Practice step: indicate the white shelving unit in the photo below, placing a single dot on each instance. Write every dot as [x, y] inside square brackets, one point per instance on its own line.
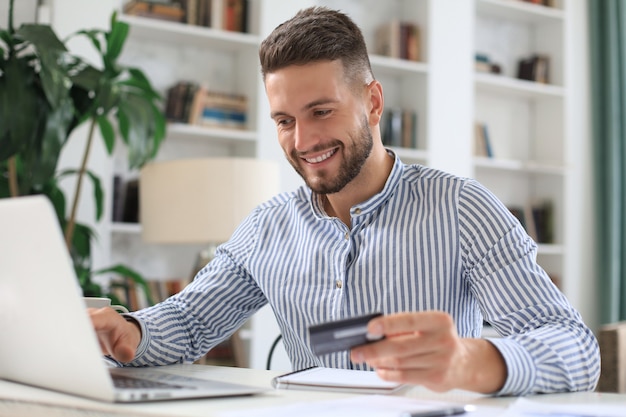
[525, 119]
[169, 52]
[222, 61]
[534, 127]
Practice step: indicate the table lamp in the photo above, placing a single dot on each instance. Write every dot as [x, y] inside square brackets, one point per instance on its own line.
[201, 200]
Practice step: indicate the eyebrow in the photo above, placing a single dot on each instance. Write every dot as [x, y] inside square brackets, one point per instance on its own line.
[306, 106]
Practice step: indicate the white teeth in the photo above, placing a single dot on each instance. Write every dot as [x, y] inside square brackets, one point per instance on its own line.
[320, 158]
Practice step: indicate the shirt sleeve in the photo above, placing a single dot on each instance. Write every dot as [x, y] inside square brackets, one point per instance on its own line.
[212, 307]
[545, 344]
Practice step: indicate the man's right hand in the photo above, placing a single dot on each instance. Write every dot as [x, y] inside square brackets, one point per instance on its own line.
[118, 337]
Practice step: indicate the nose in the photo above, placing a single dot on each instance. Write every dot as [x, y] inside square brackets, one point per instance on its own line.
[305, 136]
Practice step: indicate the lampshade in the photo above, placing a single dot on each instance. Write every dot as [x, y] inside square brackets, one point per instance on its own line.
[201, 200]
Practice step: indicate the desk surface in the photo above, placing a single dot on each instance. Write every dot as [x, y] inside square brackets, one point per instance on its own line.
[485, 405]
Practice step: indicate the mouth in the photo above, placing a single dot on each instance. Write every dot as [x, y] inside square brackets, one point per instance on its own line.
[322, 157]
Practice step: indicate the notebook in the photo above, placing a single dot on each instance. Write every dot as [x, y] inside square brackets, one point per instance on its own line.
[339, 380]
[47, 337]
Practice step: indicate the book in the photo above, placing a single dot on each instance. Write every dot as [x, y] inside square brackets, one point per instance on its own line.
[130, 212]
[118, 199]
[482, 63]
[177, 97]
[612, 341]
[217, 14]
[482, 141]
[542, 214]
[487, 139]
[534, 68]
[155, 10]
[399, 128]
[218, 109]
[529, 221]
[235, 18]
[388, 39]
[398, 39]
[340, 380]
[125, 202]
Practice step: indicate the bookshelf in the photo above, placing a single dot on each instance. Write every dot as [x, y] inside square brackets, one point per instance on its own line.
[220, 60]
[526, 119]
[538, 130]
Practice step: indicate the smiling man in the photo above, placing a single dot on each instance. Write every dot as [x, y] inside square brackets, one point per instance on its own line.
[435, 253]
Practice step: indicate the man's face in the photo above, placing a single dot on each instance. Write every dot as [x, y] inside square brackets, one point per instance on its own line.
[322, 125]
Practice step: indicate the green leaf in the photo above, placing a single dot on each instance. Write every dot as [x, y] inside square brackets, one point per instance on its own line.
[98, 192]
[81, 241]
[6, 37]
[137, 83]
[87, 77]
[55, 79]
[18, 104]
[107, 132]
[57, 197]
[53, 138]
[131, 274]
[41, 36]
[142, 129]
[115, 40]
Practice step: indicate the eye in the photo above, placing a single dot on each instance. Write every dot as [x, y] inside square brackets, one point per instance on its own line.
[284, 121]
[322, 113]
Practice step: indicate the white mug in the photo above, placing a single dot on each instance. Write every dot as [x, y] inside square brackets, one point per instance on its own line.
[100, 302]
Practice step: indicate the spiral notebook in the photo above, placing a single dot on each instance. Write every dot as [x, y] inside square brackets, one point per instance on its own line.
[331, 379]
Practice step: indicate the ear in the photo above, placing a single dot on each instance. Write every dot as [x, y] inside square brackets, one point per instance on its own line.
[375, 102]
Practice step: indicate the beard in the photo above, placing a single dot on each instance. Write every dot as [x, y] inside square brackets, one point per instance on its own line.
[354, 157]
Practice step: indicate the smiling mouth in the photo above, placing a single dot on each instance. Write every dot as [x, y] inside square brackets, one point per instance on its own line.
[321, 158]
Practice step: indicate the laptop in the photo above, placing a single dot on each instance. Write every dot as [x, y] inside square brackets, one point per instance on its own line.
[47, 337]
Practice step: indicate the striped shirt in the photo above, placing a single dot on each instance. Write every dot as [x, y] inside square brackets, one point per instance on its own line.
[428, 241]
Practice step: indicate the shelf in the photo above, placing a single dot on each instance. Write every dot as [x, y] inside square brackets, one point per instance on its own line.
[126, 228]
[177, 34]
[396, 67]
[516, 10]
[550, 249]
[512, 86]
[194, 132]
[518, 166]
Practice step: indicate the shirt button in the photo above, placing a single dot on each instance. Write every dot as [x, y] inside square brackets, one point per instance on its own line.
[357, 211]
[347, 236]
[338, 284]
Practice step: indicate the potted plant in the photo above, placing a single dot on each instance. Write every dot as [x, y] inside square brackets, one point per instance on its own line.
[45, 93]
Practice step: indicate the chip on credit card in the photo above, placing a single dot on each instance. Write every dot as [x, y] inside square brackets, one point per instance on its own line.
[342, 334]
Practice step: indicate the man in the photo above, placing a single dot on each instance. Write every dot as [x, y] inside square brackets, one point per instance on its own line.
[435, 253]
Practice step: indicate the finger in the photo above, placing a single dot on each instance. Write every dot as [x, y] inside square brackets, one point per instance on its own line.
[396, 349]
[115, 334]
[400, 323]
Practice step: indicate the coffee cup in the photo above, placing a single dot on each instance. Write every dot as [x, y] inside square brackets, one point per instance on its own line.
[100, 302]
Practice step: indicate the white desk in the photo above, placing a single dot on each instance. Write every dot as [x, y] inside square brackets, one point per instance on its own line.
[486, 406]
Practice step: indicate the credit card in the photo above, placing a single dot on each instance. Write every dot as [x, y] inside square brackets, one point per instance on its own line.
[341, 335]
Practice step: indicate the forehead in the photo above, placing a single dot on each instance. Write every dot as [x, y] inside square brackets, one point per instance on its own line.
[297, 84]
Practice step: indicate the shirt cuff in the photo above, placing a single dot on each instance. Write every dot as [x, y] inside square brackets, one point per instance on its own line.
[520, 366]
[145, 336]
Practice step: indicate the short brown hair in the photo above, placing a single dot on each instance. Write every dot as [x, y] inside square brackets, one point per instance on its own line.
[317, 34]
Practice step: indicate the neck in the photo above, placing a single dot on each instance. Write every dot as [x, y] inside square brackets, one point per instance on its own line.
[368, 183]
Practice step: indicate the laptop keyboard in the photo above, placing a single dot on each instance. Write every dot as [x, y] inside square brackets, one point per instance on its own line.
[126, 382]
